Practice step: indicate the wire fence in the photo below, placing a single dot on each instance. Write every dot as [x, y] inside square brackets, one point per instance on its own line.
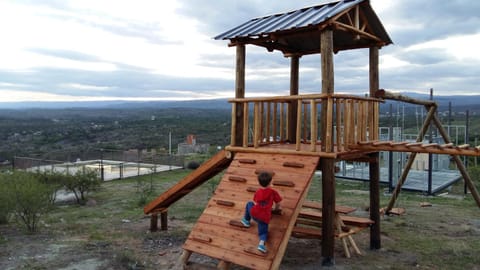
[110, 164]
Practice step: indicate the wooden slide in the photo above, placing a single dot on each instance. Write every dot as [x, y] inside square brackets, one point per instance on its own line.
[217, 234]
[202, 174]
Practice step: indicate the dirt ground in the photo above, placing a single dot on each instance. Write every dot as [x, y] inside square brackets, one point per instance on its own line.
[161, 250]
[113, 234]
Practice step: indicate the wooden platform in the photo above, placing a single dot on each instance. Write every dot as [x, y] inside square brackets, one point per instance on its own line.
[213, 235]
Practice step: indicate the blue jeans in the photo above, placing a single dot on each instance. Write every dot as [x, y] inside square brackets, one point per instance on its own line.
[262, 226]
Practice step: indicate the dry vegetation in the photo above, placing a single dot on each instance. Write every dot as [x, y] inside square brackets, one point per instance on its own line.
[112, 233]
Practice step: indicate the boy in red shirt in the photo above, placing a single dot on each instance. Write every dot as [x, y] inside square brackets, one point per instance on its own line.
[261, 208]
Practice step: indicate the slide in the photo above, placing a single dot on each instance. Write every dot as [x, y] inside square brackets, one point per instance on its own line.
[202, 174]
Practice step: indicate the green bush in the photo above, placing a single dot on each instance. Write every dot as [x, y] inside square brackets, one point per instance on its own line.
[53, 179]
[192, 165]
[82, 182]
[30, 198]
[6, 198]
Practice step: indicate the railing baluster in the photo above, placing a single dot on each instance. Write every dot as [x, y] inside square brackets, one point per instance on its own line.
[305, 121]
[233, 128]
[313, 125]
[282, 122]
[275, 121]
[298, 139]
[257, 124]
[245, 124]
[268, 123]
[338, 110]
[376, 119]
[345, 121]
[329, 126]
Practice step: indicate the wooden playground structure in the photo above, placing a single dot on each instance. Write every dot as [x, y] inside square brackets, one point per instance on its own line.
[292, 136]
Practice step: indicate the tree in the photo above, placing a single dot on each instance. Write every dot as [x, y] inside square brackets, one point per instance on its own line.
[55, 180]
[30, 198]
[82, 182]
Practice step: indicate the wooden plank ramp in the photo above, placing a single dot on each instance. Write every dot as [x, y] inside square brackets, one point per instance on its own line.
[217, 233]
[203, 173]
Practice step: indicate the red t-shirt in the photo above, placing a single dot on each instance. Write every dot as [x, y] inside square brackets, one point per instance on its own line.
[264, 198]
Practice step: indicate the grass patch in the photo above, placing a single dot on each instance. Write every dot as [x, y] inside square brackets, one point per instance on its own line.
[444, 235]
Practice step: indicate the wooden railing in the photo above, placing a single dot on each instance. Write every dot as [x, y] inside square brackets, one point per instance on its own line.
[326, 123]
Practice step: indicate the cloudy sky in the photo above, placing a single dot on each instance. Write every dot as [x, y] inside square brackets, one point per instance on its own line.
[85, 50]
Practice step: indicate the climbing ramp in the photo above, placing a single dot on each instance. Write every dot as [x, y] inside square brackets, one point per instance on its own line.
[218, 233]
[203, 173]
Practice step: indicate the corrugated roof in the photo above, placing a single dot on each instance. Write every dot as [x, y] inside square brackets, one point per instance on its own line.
[304, 17]
[267, 31]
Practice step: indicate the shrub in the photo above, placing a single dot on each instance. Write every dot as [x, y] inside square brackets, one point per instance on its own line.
[192, 165]
[82, 182]
[6, 199]
[30, 198]
[55, 180]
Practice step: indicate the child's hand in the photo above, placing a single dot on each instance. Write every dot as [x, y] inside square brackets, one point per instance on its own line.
[277, 211]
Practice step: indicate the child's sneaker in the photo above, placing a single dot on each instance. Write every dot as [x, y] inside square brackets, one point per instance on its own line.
[245, 222]
[262, 248]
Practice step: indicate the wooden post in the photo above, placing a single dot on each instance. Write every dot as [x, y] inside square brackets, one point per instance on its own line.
[327, 165]
[154, 223]
[239, 93]
[292, 111]
[374, 167]
[374, 170]
[164, 220]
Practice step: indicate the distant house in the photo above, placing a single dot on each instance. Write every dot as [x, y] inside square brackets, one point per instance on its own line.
[191, 146]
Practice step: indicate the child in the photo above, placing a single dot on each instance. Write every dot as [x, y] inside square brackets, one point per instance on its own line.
[261, 208]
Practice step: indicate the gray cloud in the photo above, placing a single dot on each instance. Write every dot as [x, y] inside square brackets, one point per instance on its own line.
[426, 68]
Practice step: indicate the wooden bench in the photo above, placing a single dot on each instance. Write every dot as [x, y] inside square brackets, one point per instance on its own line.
[309, 222]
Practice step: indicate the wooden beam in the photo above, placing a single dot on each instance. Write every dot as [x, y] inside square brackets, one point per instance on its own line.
[164, 220]
[348, 28]
[374, 171]
[394, 96]
[239, 93]
[154, 223]
[292, 112]
[327, 165]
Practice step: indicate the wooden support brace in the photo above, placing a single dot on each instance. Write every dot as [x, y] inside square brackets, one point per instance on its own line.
[153, 222]
[164, 220]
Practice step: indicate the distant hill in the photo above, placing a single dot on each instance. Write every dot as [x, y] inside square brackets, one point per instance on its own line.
[119, 104]
[459, 103]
